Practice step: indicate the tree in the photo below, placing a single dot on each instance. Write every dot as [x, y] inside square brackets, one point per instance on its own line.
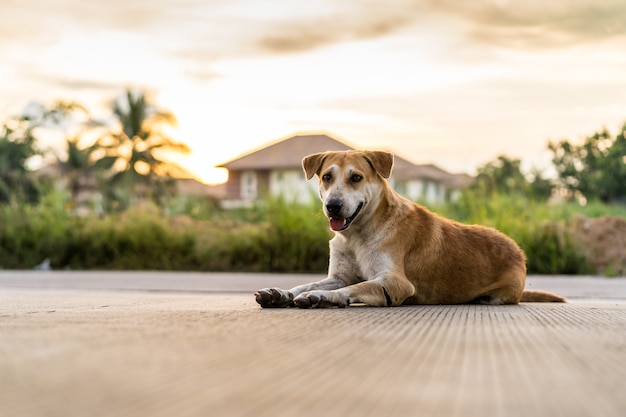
[81, 165]
[84, 166]
[540, 187]
[138, 141]
[596, 169]
[504, 175]
[17, 146]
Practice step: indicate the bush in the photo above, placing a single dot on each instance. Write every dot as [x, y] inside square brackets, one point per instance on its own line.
[283, 238]
[550, 250]
[132, 240]
[30, 234]
[287, 238]
[277, 236]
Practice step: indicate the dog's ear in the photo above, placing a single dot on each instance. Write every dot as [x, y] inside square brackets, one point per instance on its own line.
[312, 164]
[382, 162]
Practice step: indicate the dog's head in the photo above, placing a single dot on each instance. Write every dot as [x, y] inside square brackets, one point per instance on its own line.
[348, 182]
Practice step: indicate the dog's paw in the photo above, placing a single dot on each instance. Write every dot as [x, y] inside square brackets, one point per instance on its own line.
[274, 298]
[321, 299]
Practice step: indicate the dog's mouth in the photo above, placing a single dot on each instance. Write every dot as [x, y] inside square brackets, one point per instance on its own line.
[338, 224]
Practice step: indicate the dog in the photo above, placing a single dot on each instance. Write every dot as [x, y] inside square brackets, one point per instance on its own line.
[390, 251]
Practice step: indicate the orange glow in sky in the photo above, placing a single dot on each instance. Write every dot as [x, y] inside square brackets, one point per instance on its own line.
[444, 82]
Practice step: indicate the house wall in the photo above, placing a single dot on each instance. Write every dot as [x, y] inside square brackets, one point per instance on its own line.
[292, 185]
[247, 185]
[233, 186]
[243, 187]
[415, 190]
[264, 182]
[435, 192]
[430, 192]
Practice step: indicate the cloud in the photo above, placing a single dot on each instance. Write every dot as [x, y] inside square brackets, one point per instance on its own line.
[356, 21]
[41, 20]
[528, 24]
[460, 128]
[279, 26]
[537, 23]
[81, 84]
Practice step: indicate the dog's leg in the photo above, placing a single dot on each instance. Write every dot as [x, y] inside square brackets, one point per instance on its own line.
[342, 272]
[389, 290]
[277, 298]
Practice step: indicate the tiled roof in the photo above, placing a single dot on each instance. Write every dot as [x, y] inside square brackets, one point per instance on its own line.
[406, 170]
[287, 153]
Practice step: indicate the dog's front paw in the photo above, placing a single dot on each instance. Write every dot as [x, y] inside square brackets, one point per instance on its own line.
[274, 298]
[321, 299]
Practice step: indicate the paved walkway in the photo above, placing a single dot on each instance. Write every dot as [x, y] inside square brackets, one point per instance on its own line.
[138, 344]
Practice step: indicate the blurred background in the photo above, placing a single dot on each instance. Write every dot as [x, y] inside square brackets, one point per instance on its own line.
[127, 128]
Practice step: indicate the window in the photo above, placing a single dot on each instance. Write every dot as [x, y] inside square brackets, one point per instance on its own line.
[248, 185]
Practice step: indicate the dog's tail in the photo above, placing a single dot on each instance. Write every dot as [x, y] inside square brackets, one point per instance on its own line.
[539, 296]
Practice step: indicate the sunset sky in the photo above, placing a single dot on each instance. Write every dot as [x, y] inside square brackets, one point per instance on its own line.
[450, 82]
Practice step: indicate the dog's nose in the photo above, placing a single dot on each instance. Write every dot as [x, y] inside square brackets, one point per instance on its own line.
[334, 205]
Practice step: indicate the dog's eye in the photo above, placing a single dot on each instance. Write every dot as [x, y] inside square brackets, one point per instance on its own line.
[355, 178]
[327, 177]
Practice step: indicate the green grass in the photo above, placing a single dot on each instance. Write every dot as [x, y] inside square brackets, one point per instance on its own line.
[277, 236]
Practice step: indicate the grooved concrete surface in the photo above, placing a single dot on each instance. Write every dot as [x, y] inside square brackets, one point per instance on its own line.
[84, 352]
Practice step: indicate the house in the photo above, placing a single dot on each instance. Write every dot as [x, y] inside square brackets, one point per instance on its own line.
[276, 169]
[427, 183]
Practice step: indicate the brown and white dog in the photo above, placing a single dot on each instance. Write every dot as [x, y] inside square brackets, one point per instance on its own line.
[389, 251]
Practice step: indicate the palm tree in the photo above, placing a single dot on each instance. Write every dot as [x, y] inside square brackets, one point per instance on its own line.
[141, 137]
[84, 166]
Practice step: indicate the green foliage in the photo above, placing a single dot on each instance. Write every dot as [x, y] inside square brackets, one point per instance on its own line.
[285, 238]
[30, 234]
[278, 236]
[504, 175]
[596, 169]
[550, 249]
[17, 146]
[199, 208]
[85, 166]
[132, 240]
[297, 237]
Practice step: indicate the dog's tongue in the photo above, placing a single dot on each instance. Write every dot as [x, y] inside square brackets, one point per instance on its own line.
[336, 223]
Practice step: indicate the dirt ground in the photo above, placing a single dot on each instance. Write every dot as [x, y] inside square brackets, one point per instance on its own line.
[603, 240]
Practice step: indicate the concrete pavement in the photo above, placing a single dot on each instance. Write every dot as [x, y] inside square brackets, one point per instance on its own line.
[579, 287]
[164, 344]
